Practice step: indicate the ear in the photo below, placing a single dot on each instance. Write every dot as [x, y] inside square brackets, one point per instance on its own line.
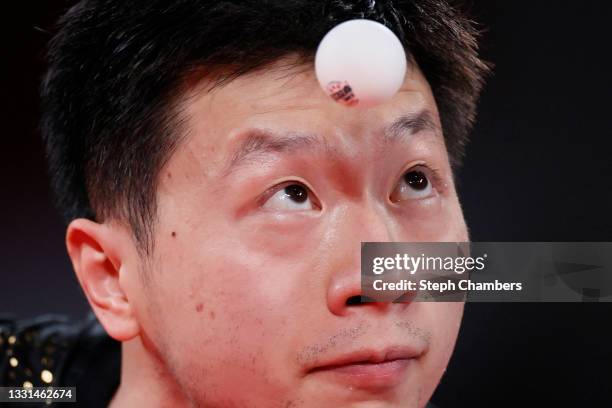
[98, 253]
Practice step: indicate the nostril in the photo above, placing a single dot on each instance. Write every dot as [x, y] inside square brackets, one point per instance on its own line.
[353, 301]
[358, 300]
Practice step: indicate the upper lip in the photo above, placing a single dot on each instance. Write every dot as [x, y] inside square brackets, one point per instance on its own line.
[368, 356]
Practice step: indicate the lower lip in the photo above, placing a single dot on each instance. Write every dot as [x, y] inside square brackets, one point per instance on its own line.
[372, 376]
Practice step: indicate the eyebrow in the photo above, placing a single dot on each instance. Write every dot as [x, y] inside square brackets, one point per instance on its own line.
[260, 142]
[408, 125]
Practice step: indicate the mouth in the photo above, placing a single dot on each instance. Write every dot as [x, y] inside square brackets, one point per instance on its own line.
[369, 369]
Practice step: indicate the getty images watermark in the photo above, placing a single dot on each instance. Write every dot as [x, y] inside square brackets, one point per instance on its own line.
[487, 271]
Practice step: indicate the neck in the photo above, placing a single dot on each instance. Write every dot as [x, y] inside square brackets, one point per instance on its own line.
[145, 380]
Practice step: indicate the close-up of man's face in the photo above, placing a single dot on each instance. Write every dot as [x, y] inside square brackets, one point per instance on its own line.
[254, 280]
[305, 203]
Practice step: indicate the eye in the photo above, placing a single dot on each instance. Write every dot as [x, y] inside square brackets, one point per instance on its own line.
[292, 196]
[414, 185]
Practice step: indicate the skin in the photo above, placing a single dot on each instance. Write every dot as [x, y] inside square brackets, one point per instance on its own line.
[245, 294]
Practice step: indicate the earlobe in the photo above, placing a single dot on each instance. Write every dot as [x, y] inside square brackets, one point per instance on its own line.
[96, 253]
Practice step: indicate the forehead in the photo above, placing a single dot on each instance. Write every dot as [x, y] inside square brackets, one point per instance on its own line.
[286, 97]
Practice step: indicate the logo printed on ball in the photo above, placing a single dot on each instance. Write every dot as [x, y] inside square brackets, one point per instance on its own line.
[341, 91]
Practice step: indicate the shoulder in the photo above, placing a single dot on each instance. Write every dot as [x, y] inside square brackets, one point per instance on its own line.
[54, 350]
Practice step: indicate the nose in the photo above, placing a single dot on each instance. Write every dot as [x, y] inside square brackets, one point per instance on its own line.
[359, 224]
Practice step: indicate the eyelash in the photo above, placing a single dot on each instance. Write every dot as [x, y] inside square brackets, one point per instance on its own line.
[433, 174]
[280, 185]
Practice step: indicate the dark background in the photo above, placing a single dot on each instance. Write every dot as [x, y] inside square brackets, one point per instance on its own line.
[538, 169]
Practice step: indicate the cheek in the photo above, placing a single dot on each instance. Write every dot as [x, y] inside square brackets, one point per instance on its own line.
[218, 296]
[448, 321]
[226, 310]
[445, 320]
[439, 219]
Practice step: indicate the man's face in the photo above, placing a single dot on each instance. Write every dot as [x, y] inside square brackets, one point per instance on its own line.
[262, 210]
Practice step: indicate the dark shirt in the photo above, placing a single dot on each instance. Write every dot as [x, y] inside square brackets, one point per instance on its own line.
[76, 354]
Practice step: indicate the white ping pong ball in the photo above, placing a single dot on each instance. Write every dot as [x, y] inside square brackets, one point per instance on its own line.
[360, 62]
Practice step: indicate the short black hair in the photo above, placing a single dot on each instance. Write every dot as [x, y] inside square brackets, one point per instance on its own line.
[116, 69]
